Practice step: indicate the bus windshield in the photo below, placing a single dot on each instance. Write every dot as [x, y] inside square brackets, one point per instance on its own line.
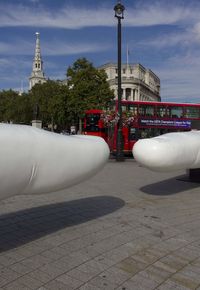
[92, 122]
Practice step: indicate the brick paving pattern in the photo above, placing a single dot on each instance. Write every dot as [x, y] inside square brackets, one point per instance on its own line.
[127, 228]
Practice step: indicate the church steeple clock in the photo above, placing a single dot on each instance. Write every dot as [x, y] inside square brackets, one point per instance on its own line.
[37, 75]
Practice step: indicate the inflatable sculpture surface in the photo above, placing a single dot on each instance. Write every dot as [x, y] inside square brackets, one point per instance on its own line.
[169, 152]
[37, 161]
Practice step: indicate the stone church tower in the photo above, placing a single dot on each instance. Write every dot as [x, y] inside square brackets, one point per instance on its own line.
[37, 75]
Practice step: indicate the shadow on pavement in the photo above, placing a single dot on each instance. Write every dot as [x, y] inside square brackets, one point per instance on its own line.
[27, 225]
[169, 186]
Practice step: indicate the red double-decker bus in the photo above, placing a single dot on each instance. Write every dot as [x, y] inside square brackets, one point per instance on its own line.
[141, 120]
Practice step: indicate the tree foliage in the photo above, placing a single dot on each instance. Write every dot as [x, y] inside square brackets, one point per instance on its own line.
[14, 107]
[52, 99]
[88, 86]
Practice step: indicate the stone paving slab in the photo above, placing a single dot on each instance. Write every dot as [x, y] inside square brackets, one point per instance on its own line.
[126, 228]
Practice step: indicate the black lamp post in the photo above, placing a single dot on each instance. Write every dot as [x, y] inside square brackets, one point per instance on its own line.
[119, 14]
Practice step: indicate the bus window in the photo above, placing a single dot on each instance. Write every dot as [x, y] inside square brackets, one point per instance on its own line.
[156, 132]
[124, 108]
[93, 118]
[176, 112]
[191, 112]
[141, 110]
[133, 109]
[149, 111]
[146, 133]
[167, 112]
[161, 111]
[132, 134]
[146, 110]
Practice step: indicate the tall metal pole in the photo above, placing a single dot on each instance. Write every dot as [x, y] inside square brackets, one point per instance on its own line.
[119, 9]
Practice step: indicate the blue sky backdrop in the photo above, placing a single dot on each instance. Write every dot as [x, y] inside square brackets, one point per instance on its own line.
[162, 36]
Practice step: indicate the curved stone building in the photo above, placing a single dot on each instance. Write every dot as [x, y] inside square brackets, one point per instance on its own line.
[138, 83]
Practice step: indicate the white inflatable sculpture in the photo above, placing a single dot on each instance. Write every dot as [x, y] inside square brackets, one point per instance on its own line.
[36, 161]
[169, 152]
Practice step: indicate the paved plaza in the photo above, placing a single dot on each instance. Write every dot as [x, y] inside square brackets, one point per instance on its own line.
[127, 228]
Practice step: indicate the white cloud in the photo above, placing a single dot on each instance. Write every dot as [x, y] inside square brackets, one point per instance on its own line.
[13, 71]
[168, 40]
[63, 48]
[161, 14]
[196, 31]
[12, 63]
[68, 17]
[186, 38]
[180, 78]
[21, 47]
[73, 18]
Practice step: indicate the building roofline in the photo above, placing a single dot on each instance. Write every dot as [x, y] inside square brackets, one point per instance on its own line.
[114, 64]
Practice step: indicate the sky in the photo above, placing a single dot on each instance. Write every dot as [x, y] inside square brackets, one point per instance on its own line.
[162, 36]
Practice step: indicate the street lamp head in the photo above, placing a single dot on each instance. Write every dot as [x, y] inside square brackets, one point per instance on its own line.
[119, 10]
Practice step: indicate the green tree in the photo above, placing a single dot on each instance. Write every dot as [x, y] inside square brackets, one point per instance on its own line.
[14, 107]
[52, 98]
[23, 109]
[88, 88]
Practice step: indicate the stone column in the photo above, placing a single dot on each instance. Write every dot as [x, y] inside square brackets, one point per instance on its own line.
[123, 94]
[132, 94]
[138, 93]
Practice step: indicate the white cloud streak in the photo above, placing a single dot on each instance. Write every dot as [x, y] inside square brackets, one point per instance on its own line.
[13, 63]
[168, 40]
[161, 14]
[13, 71]
[68, 17]
[61, 48]
[74, 18]
[180, 78]
[186, 38]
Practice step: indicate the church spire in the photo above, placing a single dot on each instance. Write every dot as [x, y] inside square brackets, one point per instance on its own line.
[37, 62]
[37, 75]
